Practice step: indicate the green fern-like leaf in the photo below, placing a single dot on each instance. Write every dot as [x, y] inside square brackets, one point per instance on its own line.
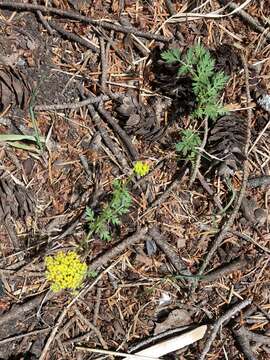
[207, 84]
[188, 144]
[171, 56]
[111, 213]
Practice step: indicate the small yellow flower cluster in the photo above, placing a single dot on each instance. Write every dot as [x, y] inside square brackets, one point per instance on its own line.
[141, 168]
[65, 271]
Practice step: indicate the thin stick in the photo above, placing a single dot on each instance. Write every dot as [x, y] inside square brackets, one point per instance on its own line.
[168, 250]
[74, 16]
[170, 7]
[21, 336]
[249, 239]
[103, 62]
[244, 344]
[43, 21]
[228, 315]
[118, 249]
[120, 132]
[198, 159]
[247, 18]
[76, 105]
[115, 353]
[74, 37]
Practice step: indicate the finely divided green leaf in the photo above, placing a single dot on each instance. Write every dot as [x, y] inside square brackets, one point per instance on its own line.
[171, 56]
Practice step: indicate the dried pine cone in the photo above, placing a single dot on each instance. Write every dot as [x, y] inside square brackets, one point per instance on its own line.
[15, 200]
[14, 89]
[227, 142]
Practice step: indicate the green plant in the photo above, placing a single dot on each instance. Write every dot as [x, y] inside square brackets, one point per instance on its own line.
[207, 83]
[188, 145]
[119, 205]
[65, 271]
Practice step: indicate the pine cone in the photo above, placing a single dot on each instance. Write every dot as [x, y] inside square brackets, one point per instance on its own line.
[15, 200]
[142, 119]
[227, 142]
[14, 89]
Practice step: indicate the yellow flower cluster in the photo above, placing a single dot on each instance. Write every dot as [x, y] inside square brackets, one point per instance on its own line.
[65, 271]
[141, 168]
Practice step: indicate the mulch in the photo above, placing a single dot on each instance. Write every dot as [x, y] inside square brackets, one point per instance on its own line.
[84, 94]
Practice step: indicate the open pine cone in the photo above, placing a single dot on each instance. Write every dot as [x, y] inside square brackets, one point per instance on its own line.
[14, 88]
[227, 142]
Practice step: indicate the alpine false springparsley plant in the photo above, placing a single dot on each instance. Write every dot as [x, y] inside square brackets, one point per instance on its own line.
[118, 205]
[188, 146]
[65, 271]
[206, 82]
[110, 215]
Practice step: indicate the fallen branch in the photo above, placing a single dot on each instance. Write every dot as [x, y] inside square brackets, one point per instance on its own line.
[74, 16]
[21, 336]
[235, 265]
[227, 316]
[259, 181]
[244, 344]
[118, 249]
[20, 310]
[76, 105]
[73, 37]
[120, 132]
[246, 17]
[168, 250]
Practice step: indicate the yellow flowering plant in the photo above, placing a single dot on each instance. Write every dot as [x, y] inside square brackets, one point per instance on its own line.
[65, 271]
[141, 168]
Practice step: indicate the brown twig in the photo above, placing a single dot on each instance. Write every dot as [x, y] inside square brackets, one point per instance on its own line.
[73, 37]
[107, 139]
[236, 264]
[21, 336]
[91, 327]
[249, 239]
[74, 16]
[246, 17]
[170, 7]
[76, 105]
[243, 342]
[168, 250]
[160, 199]
[207, 188]
[244, 337]
[265, 313]
[120, 132]
[103, 61]
[43, 21]
[19, 310]
[258, 181]
[261, 339]
[118, 249]
[227, 316]
[97, 306]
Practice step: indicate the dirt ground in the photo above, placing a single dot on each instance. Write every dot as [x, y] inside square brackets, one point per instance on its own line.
[84, 94]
